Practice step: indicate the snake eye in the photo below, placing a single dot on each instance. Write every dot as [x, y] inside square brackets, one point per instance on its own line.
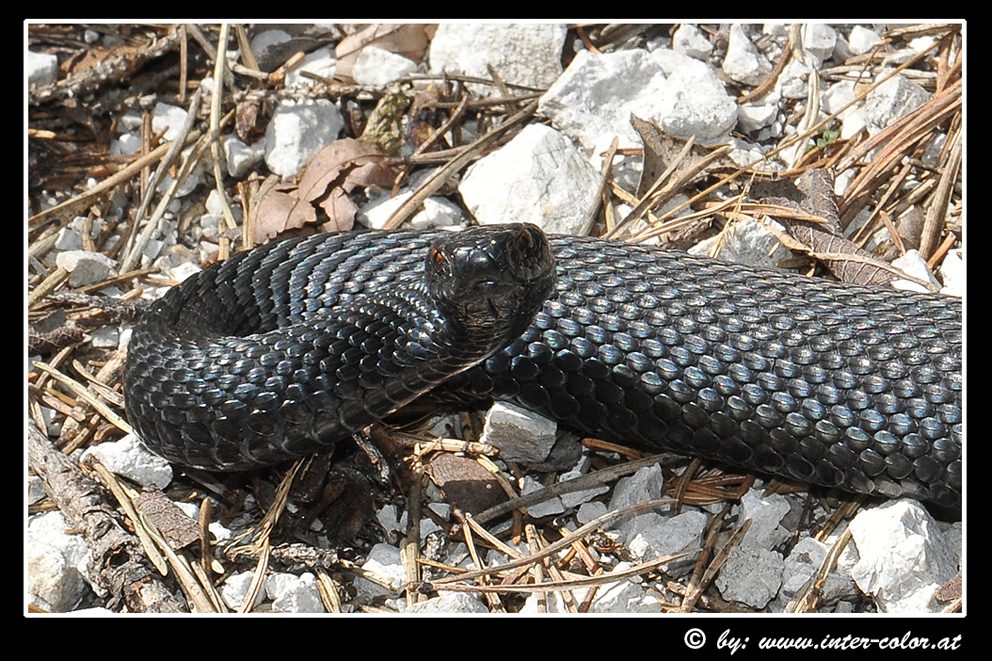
[437, 257]
[525, 239]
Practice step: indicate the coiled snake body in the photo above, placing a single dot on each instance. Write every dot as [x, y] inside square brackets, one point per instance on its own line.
[285, 349]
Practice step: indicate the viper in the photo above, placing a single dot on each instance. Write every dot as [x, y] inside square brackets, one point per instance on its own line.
[289, 348]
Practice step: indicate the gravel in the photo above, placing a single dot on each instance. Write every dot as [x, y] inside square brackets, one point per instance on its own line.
[689, 84]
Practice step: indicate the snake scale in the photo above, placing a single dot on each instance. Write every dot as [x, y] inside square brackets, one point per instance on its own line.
[288, 348]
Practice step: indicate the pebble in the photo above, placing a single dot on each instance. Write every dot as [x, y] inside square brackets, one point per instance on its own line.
[299, 129]
[904, 557]
[86, 268]
[539, 177]
[42, 69]
[586, 105]
[129, 458]
[743, 62]
[893, 100]
[751, 575]
[690, 40]
[520, 435]
[748, 242]
[321, 62]
[436, 212]
[57, 563]
[376, 66]
[521, 53]
[449, 602]
[384, 563]
[290, 593]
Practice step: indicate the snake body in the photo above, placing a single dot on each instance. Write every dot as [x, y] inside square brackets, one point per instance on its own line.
[288, 348]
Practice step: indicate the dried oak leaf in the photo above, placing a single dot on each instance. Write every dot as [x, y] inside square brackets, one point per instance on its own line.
[408, 40]
[813, 194]
[662, 148]
[323, 195]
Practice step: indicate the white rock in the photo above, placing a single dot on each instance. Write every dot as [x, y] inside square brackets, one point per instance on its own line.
[234, 590]
[388, 518]
[267, 38]
[862, 40]
[744, 153]
[679, 533]
[294, 594]
[213, 203]
[321, 62]
[904, 557]
[42, 68]
[184, 270]
[743, 61]
[766, 514]
[129, 458]
[589, 511]
[242, 157]
[752, 116]
[913, 264]
[56, 563]
[625, 596]
[168, 118]
[836, 97]
[953, 273]
[545, 508]
[538, 177]
[570, 500]
[125, 145]
[892, 100]
[791, 83]
[188, 185]
[436, 212]
[210, 225]
[107, 337]
[520, 435]
[818, 41]
[449, 602]
[751, 575]
[693, 102]
[297, 131]
[36, 489]
[805, 560]
[592, 101]
[521, 53]
[377, 66]
[643, 486]
[384, 563]
[690, 40]
[68, 239]
[85, 267]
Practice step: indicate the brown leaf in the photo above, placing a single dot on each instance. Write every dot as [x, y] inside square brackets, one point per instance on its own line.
[466, 485]
[813, 194]
[275, 201]
[408, 40]
[661, 149]
[331, 175]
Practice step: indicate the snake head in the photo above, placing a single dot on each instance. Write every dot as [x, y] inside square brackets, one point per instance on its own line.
[491, 278]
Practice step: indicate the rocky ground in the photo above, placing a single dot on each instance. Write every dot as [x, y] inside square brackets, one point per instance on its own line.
[656, 133]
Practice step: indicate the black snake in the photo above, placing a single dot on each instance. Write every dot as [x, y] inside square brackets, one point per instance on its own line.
[285, 349]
